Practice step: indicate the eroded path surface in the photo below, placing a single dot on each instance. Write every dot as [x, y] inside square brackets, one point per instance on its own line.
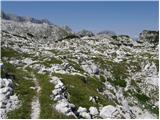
[35, 109]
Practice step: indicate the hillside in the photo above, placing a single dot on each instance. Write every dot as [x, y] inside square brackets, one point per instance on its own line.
[49, 72]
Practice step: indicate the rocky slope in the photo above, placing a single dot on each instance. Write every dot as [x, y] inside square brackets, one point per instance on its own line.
[59, 74]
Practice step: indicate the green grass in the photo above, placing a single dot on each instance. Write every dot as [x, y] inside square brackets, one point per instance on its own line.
[48, 63]
[118, 70]
[76, 66]
[156, 61]
[153, 110]
[58, 52]
[102, 78]
[8, 52]
[25, 93]
[80, 89]
[145, 100]
[142, 97]
[47, 110]
[121, 83]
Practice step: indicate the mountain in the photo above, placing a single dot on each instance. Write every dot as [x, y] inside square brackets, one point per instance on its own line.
[107, 32]
[16, 18]
[51, 72]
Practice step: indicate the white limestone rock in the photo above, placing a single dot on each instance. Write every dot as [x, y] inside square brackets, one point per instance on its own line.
[93, 111]
[8, 101]
[83, 113]
[107, 111]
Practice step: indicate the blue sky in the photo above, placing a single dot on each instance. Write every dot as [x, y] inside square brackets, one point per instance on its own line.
[121, 17]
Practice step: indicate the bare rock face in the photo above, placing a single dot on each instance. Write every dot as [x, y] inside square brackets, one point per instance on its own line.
[32, 28]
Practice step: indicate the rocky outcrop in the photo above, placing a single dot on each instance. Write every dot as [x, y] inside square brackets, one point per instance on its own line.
[151, 37]
[83, 33]
[8, 100]
[60, 96]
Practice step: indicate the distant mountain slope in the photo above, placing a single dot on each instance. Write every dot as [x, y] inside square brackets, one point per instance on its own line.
[16, 18]
[41, 30]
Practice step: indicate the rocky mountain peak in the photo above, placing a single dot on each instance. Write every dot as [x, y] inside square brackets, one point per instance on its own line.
[16, 18]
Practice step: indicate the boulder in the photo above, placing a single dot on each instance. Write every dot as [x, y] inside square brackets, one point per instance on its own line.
[93, 111]
[83, 113]
[95, 69]
[107, 111]
[91, 68]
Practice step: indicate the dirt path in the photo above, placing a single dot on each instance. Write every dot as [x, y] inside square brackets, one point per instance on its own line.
[35, 110]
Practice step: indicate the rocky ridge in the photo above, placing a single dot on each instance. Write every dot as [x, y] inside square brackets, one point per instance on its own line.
[93, 76]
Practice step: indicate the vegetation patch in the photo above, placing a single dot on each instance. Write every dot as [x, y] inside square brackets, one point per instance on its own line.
[102, 78]
[8, 52]
[76, 66]
[48, 63]
[81, 88]
[142, 97]
[25, 93]
[47, 110]
[121, 83]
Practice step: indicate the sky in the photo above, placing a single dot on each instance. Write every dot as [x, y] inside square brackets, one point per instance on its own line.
[129, 18]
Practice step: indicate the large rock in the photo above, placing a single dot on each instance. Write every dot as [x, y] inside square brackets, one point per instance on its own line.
[107, 111]
[83, 113]
[93, 111]
[8, 101]
[90, 68]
